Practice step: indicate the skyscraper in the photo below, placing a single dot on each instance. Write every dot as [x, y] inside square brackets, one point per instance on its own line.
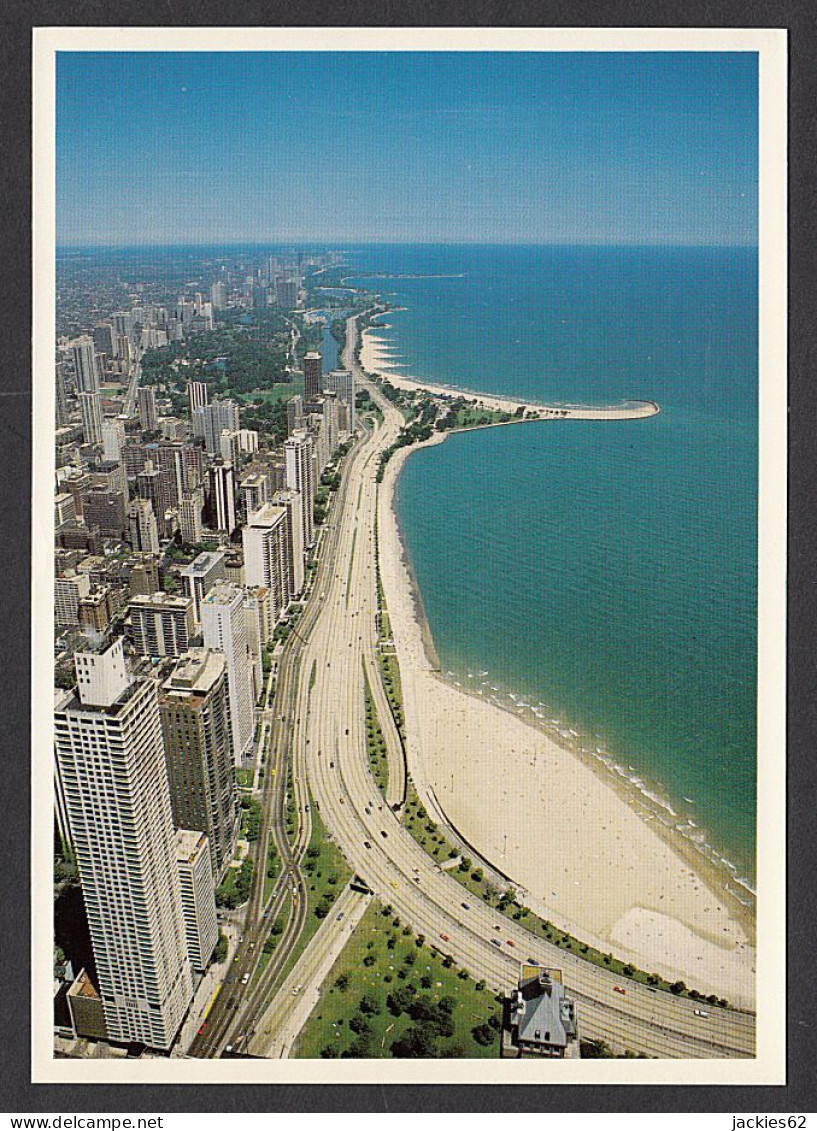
[225, 631]
[113, 780]
[210, 420]
[342, 382]
[300, 477]
[113, 438]
[191, 505]
[197, 395]
[144, 533]
[195, 710]
[147, 408]
[195, 874]
[90, 406]
[218, 296]
[313, 376]
[201, 575]
[85, 364]
[291, 501]
[266, 554]
[222, 496]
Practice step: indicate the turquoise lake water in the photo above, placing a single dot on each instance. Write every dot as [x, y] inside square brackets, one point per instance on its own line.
[604, 572]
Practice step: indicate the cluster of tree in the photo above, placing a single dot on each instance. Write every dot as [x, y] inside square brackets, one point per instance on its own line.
[236, 889]
[275, 932]
[253, 821]
[416, 432]
[269, 418]
[220, 953]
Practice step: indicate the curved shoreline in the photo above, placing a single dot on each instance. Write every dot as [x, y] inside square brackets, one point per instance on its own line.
[373, 361]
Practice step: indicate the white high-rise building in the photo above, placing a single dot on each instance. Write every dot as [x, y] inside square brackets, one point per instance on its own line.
[222, 496]
[266, 554]
[210, 420]
[113, 438]
[218, 296]
[201, 575]
[342, 383]
[225, 631]
[254, 492]
[68, 592]
[115, 792]
[86, 366]
[198, 895]
[300, 477]
[291, 501]
[197, 395]
[90, 407]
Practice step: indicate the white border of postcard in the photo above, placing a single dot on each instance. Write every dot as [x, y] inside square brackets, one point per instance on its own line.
[769, 1065]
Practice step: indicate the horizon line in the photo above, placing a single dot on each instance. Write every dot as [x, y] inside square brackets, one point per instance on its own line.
[328, 243]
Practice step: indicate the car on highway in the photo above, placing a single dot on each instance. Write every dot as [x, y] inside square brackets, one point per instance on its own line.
[701, 1013]
[245, 979]
[339, 916]
[367, 844]
[394, 885]
[510, 942]
[619, 990]
[368, 810]
[445, 938]
[465, 906]
[496, 942]
[296, 991]
[202, 1029]
[383, 833]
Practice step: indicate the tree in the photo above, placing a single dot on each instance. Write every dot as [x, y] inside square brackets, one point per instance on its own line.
[220, 953]
[483, 1035]
[359, 1024]
[419, 1041]
[369, 1005]
[342, 982]
[677, 987]
[400, 1001]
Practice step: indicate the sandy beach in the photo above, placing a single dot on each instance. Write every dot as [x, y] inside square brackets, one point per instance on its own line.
[586, 850]
[376, 358]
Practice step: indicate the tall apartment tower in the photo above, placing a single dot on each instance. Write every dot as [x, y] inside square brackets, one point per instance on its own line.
[90, 407]
[291, 501]
[63, 415]
[295, 414]
[85, 364]
[144, 531]
[218, 296]
[161, 624]
[342, 383]
[225, 631]
[113, 438]
[147, 408]
[195, 709]
[266, 554]
[313, 376]
[196, 395]
[222, 496]
[300, 477]
[210, 420]
[198, 896]
[201, 575]
[191, 505]
[113, 782]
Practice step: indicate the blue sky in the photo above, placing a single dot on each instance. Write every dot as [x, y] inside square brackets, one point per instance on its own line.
[418, 147]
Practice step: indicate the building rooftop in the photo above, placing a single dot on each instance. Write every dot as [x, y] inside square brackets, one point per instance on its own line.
[189, 843]
[541, 1010]
[195, 673]
[162, 600]
[267, 515]
[202, 565]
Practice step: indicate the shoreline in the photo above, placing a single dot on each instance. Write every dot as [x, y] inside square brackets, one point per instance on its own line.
[463, 747]
[373, 359]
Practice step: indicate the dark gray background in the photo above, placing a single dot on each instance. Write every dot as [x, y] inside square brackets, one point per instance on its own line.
[17, 1094]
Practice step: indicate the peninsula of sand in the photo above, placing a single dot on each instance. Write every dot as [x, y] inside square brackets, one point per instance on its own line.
[585, 851]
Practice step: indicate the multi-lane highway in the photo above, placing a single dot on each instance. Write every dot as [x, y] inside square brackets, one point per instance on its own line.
[387, 857]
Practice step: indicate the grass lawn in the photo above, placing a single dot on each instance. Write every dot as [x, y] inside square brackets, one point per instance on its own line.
[273, 939]
[244, 779]
[278, 392]
[354, 1017]
[475, 417]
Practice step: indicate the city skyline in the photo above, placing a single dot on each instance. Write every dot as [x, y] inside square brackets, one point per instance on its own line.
[615, 147]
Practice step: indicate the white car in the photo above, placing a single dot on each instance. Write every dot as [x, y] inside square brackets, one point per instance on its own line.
[701, 1013]
[245, 979]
